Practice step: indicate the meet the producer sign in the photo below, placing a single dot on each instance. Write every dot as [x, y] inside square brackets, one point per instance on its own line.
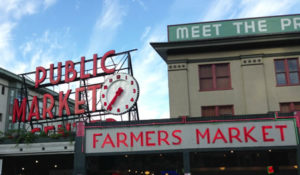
[234, 28]
[191, 136]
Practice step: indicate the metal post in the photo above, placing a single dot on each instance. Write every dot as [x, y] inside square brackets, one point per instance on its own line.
[79, 155]
[298, 158]
[26, 95]
[186, 163]
[130, 71]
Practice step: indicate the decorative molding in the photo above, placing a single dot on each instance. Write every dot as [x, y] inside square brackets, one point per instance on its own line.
[37, 148]
[251, 61]
[203, 60]
[179, 66]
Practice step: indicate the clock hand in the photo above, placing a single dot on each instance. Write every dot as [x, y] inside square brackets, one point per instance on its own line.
[118, 93]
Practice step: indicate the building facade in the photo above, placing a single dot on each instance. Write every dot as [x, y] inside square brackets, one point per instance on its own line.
[234, 98]
[255, 73]
[19, 139]
[222, 71]
[16, 87]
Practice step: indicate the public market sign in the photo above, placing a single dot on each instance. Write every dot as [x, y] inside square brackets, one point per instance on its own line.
[119, 92]
[70, 74]
[234, 28]
[191, 136]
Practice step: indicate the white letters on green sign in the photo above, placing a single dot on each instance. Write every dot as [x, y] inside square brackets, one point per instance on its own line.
[233, 28]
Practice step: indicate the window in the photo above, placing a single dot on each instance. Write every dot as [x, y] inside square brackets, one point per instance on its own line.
[3, 90]
[217, 110]
[289, 107]
[214, 77]
[287, 71]
[0, 117]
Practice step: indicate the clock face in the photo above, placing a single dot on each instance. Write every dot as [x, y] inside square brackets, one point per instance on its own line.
[119, 93]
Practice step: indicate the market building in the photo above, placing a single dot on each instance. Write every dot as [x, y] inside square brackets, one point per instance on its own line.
[252, 70]
[40, 115]
[234, 95]
[17, 87]
[234, 89]
[234, 68]
[42, 156]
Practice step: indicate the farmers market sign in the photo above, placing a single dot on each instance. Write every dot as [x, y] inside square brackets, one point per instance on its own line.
[190, 136]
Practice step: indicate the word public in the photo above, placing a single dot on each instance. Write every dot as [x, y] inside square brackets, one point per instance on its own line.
[19, 110]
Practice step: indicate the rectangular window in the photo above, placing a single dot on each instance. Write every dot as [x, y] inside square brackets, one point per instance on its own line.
[3, 90]
[208, 111]
[0, 117]
[289, 107]
[214, 77]
[287, 71]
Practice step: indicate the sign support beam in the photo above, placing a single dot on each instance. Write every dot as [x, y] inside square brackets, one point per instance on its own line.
[186, 163]
[79, 155]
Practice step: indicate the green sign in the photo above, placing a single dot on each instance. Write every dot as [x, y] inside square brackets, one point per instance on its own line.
[234, 28]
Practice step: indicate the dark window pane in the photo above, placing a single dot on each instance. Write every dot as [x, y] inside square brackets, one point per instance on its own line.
[222, 70]
[280, 77]
[206, 84]
[292, 63]
[205, 71]
[223, 83]
[279, 66]
[3, 90]
[285, 107]
[294, 78]
[208, 111]
[297, 106]
[225, 110]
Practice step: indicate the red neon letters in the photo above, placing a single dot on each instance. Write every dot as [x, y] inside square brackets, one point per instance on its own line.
[70, 71]
[239, 135]
[19, 111]
[206, 136]
[122, 139]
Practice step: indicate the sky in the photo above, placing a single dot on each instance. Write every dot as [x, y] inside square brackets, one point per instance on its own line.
[39, 32]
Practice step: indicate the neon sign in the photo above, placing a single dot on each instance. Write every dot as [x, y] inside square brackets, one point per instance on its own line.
[119, 92]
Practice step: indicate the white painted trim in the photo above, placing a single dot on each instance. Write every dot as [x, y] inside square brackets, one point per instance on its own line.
[37, 148]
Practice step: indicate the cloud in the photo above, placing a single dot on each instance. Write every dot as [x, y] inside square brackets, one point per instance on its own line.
[109, 18]
[50, 47]
[151, 73]
[5, 38]
[106, 26]
[230, 9]
[146, 32]
[49, 3]
[11, 11]
[253, 8]
[141, 3]
[218, 10]
[15, 9]
[77, 4]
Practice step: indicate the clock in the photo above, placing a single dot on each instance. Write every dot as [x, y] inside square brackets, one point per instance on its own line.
[119, 93]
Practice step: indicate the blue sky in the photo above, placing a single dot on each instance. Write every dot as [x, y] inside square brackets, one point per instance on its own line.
[39, 32]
